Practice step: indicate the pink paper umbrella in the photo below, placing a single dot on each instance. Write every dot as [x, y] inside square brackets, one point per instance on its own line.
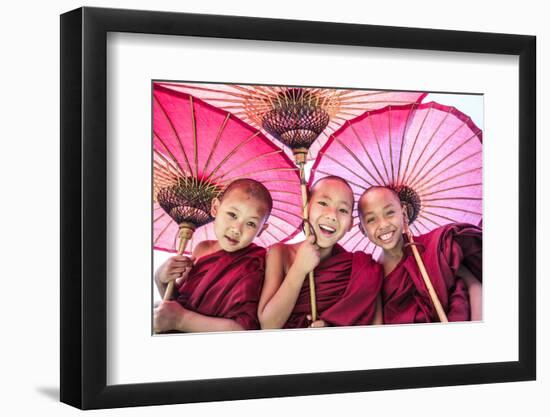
[300, 117]
[429, 153]
[199, 150]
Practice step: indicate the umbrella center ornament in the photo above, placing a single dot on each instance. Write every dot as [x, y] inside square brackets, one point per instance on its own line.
[297, 118]
[411, 200]
[188, 201]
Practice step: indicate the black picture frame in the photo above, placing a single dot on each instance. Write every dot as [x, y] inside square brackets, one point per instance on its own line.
[84, 207]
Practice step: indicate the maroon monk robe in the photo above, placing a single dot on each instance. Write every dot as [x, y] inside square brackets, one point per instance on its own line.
[443, 250]
[227, 285]
[346, 286]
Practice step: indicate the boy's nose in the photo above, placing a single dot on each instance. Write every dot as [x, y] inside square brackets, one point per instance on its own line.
[237, 228]
[330, 214]
[384, 222]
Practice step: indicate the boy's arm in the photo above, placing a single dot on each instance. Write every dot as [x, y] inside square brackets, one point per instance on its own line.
[475, 292]
[279, 295]
[171, 315]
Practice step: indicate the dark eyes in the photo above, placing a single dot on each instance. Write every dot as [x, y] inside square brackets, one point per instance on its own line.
[251, 224]
[389, 213]
[325, 204]
[231, 214]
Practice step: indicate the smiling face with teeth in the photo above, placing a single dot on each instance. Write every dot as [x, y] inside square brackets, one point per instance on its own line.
[382, 216]
[330, 210]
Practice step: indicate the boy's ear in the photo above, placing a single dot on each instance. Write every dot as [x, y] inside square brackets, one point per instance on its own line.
[265, 226]
[214, 207]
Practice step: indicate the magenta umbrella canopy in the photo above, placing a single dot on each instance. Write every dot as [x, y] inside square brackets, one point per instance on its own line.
[199, 150]
[312, 114]
[429, 153]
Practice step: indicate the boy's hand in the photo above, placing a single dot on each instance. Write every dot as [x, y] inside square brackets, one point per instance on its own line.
[307, 256]
[317, 323]
[174, 268]
[167, 316]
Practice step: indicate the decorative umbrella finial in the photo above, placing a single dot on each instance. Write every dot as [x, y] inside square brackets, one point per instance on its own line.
[188, 200]
[297, 118]
[411, 200]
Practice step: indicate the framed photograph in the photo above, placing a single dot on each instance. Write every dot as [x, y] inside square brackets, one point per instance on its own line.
[183, 160]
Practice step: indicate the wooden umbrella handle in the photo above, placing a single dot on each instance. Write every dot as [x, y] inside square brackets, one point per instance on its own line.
[168, 291]
[312, 298]
[185, 235]
[427, 281]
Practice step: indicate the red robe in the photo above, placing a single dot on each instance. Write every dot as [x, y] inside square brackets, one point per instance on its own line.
[226, 284]
[346, 286]
[443, 250]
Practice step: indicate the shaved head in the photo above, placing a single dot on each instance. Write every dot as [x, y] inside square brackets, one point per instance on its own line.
[253, 188]
[371, 189]
[336, 179]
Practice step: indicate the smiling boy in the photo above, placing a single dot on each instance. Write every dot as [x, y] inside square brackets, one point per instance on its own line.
[220, 292]
[347, 285]
[452, 256]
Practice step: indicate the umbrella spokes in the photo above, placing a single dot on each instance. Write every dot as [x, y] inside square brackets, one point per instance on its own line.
[429, 154]
[298, 117]
[295, 116]
[188, 200]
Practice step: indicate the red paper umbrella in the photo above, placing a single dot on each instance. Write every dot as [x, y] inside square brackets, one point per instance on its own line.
[297, 116]
[429, 153]
[199, 150]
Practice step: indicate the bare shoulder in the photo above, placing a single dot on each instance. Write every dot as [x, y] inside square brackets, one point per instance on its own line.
[282, 254]
[206, 247]
[276, 249]
[281, 249]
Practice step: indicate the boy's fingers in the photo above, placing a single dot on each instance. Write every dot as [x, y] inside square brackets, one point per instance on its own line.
[181, 258]
[179, 270]
[180, 264]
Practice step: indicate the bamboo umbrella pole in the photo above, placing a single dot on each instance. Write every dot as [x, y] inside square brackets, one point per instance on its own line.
[300, 156]
[435, 299]
[185, 235]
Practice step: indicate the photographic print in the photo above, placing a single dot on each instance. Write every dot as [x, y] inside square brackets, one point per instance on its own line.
[285, 207]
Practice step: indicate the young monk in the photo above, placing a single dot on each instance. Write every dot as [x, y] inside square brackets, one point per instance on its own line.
[451, 255]
[220, 291]
[347, 285]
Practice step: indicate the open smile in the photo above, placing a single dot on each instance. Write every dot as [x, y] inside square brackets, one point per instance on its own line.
[386, 236]
[327, 231]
